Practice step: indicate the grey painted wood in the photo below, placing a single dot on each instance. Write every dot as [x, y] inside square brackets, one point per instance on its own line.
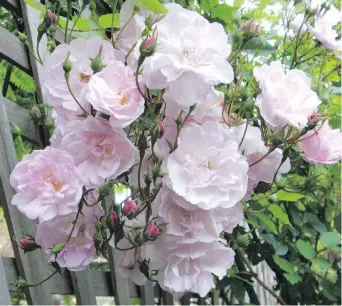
[167, 298]
[83, 289]
[147, 293]
[11, 5]
[100, 281]
[31, 265]
[32, 20]
[14, 51]
[19, 116]
[5, 298]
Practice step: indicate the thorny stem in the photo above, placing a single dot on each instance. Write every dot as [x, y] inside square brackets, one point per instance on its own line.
[139, 179]
[138, 86]
[43, 281]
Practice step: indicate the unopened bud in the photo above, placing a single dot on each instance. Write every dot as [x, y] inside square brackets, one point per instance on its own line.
[22, 37]
[277, 138]
[152, 231]
[97, 63]
[35, 113]
[52, 16]
[67, 65]
[113, 219]
[313, 120]
[148, 46]
[28, 244]
[16, 130]
[129, 208]
[251, 27]
[243, 240]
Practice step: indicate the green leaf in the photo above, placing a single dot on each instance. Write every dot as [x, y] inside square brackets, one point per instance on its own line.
[105, 21]
[279, 213]
[330, 239]
[35, 5]
[289, 196]
[305, 249]
[154, 6]
[285, 265]
[293, 278]
[223, 12]
[322, 263]
[266, 220]
[81, 24]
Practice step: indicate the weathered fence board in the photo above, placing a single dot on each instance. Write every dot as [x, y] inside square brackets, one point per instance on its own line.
[18, 224]
[5, 298]
[19, 116]
[11, 5]
[83, 289]
[14, 51]
[147, 293]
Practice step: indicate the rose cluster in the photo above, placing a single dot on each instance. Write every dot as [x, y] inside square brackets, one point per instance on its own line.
[146, 113]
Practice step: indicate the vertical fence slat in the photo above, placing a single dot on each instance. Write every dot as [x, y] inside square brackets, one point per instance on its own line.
[147, 294]
[5, 298]
[167, 298]
[120, 284]
[30, 265]
[83, 289]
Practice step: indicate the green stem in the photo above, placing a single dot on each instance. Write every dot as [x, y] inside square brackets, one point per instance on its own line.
[78, 103]
[262, 157]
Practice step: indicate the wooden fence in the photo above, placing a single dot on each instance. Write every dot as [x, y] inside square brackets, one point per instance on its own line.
[85, 285]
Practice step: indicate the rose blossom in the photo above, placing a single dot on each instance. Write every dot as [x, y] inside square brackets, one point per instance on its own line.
[80, 250]
[99, 151]
[206, 168]
[113, 91]
[190, 266]
[285, 99]
[54, 84]
[46, 184]
[253, 147]
[322, 145]
[206, 57]
[187, 221]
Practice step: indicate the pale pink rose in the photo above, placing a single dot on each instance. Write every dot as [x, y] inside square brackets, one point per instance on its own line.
[206, 168]
[190, 266]
[228, 218]
[46, 184]
[80, 250]
[206, 57]
[98, 150]
[132, 28]
[113, 91]
[54, 84]
[253, 147]
[251, 27]
[322, 145]
[187, 221]
[298, 25]
[323, 28]
[285, 99]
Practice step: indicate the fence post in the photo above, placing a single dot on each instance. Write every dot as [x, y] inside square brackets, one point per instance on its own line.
[5, 298]
[30, 264]
[83, 289]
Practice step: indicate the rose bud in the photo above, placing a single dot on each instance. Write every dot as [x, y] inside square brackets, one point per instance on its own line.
[28, 244]
[152, 231]
[148, 46]
[129, 208]
[52, 16]
[251, 27]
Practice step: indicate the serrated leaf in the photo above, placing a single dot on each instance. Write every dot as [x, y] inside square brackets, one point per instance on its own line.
[105, 21]
[154, 6]
[289, 196]
[279, 213]
[285, 265]
[305, 249]
[293, 278]
[330, 239]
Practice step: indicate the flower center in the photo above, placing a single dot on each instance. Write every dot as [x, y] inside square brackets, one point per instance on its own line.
[56, 184]
[123, 100]
[84, 78]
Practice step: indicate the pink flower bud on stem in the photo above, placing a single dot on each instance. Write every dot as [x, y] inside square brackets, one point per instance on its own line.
[129, 208]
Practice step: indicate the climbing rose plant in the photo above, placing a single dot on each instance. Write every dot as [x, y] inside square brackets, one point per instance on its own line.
[199, 132]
